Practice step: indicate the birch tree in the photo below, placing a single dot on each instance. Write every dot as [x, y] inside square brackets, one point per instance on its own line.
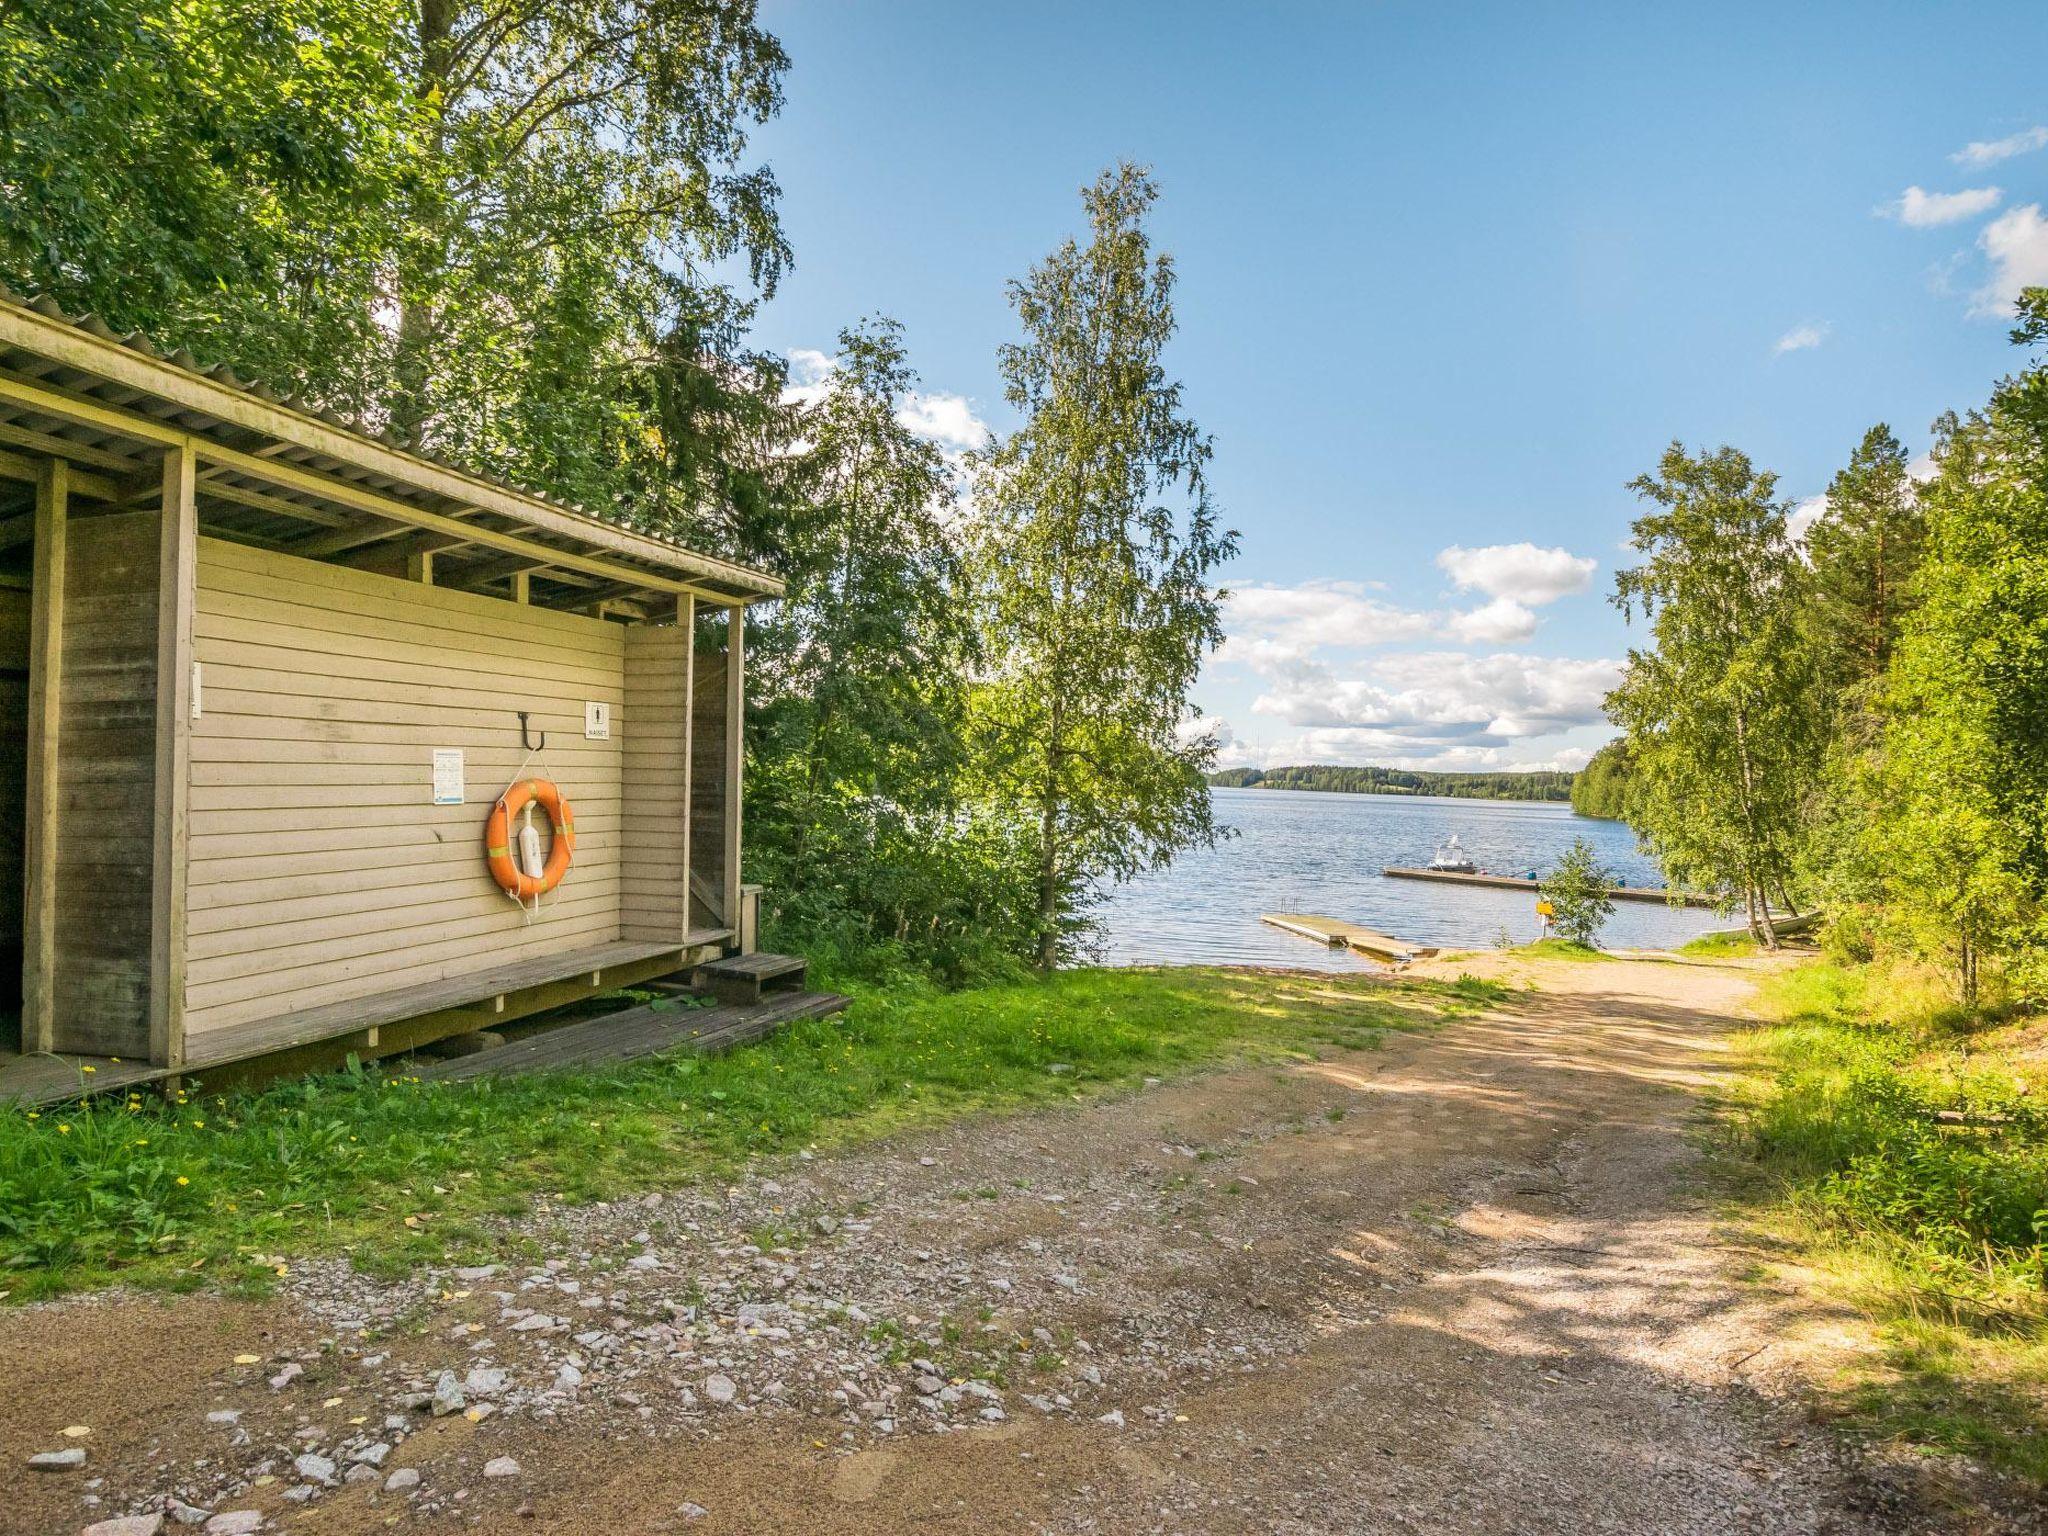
[1723, 726]
[1095, 547]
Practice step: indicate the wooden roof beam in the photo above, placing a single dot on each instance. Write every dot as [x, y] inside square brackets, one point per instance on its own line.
[124, 367]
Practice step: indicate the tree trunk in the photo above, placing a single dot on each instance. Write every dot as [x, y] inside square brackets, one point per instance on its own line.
[1048, 849]
[418, 263]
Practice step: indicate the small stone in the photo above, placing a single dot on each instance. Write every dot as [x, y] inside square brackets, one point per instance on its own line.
[827, 1224]
[287, 1376]
[373, 1455]
[568, 1378]
[691, 1511]
[927, 1162]
[448, 1396]
[127, 1525]
[643, 1261]
[58, 1461]
[929, 1385]
[186, 1514]
[501, 1466]
[484, 1381]
[225, 1416]
[235, 1522]
[402, 1479]
[1066, 1282]
[718, 1388]
[1114, 1418]
[361, 1474]
[475, 1272]
[476, 1413]
[315, 1469]
[1060, 1068]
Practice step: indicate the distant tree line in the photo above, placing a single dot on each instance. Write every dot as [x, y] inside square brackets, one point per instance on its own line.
[1601, 787]
[1857, 721]
[1399, 781]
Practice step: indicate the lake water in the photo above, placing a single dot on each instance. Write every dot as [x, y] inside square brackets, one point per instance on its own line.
[1298, 851]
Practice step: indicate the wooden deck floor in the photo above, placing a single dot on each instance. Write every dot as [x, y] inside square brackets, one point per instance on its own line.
[50, 1077]
[633, 1033]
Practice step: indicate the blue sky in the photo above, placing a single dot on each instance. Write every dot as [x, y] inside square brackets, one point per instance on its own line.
[1450, 275]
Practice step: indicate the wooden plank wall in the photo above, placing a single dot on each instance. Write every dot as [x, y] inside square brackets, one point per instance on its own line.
[14, 619]
[653, 900]
[707, 790]
[106, 785]
[320, 868]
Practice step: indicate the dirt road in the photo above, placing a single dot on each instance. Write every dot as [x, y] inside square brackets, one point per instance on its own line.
[1468, 1281]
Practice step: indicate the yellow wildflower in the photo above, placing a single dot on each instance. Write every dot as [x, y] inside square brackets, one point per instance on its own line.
[88, 1069]
[64, 1130]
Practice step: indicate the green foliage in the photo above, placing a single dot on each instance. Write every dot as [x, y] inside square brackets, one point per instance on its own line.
[1953, 832]
[398, 1171]
[1864, 552]
[1399, 781]
[1721, 715]
[1601, 787]
[856, 821]
[577, 198]
[1094, 599]
[1576, 888]
[218, 173]
[1910, 1161]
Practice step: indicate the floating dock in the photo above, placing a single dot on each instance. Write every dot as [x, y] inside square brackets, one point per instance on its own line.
[1338, 934]
[1513, 883]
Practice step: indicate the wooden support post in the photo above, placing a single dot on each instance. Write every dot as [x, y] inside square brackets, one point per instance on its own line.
[522, 587]
[177, 578]
[735, 757]
[419, 567]
[45, 682]
[686, 621]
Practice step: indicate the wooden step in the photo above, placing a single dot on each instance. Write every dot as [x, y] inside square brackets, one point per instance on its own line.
[633, 1033]
[742, 979]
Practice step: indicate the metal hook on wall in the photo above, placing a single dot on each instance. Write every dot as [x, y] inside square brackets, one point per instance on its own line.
[525, 739]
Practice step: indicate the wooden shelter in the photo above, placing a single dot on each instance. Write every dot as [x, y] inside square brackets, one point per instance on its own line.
[262, 678]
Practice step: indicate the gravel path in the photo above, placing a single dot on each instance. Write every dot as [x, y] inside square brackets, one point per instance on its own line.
[1466, 1282]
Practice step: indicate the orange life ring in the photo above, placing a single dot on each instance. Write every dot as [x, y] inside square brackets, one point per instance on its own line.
[498, 838]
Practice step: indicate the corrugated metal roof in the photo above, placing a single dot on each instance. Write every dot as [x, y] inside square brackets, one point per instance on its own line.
[745, 581]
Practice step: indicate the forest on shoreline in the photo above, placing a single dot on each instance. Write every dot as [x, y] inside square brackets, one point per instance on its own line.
[1330, 778]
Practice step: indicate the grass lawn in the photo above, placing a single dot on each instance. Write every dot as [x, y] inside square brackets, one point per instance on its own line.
[1904, 1160]
[229, 1189]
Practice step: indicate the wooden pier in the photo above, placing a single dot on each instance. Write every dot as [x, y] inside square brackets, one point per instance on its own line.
[1515, 883]
[1338, 934]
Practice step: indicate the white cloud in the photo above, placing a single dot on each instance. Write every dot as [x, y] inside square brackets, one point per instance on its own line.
[1802, 517]
[1923, 468]
[1293, 619]
[2016, 243]
[1523, 573]
[1800, 338]
[1501, 622]
[947, 420]
[1432, 702]
[1921, 209]
[1990, 152]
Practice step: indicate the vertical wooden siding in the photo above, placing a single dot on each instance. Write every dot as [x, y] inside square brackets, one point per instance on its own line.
[14, 620]
[653, 894]
[106, 785]
[707, 793]
[320, 869]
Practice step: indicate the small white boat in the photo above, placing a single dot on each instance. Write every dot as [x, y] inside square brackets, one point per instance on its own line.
[1451, 859]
